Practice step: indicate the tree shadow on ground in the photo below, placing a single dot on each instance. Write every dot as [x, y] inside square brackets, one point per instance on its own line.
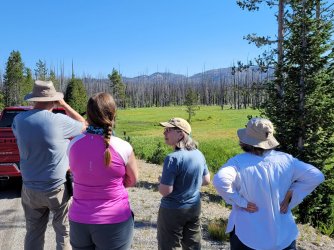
[143, 224]
[147, 185]
[206, 196]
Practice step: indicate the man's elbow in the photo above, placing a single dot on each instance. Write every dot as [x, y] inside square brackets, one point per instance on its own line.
[165, 190]
[163, 194]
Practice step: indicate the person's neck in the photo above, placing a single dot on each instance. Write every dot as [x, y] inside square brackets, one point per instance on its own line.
[44, 106]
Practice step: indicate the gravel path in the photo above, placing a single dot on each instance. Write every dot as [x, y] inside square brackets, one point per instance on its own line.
[145, 201]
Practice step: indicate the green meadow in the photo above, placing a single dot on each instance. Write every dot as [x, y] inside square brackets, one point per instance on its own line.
[214, 129]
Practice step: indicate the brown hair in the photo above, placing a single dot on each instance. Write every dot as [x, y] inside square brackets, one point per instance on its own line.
[101, 111]
[251, 149]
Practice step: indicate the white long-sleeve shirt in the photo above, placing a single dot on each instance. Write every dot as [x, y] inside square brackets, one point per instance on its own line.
[265, 180]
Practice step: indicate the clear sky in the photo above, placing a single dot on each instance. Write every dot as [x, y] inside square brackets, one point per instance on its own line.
[134, 36]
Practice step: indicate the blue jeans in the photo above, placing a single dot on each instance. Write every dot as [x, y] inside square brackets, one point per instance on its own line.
[236, 244]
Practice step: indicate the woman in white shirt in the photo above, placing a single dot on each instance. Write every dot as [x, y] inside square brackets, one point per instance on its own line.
[263, 185]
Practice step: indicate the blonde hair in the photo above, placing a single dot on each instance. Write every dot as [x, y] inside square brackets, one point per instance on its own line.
[101, 112]
[187, 142]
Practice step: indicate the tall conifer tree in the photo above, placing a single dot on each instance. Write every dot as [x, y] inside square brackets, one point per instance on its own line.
[304, 113]
[76, 95]
[52, 77]
[13, 79]
[191, 102]
[41, 71]
[301, 98]
[117, 88]
[27, 83]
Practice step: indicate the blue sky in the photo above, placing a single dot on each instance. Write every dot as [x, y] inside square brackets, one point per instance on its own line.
[134, 36]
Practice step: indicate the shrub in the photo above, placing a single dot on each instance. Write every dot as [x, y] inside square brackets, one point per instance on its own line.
[158, 155]
[327, 229]
[217, 228]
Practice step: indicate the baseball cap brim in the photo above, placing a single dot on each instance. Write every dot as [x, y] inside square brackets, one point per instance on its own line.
[167, 125]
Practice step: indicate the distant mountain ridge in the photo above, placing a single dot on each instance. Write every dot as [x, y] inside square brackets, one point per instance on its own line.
[213, 74]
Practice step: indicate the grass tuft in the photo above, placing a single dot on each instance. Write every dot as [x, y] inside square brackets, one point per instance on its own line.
[217, 228]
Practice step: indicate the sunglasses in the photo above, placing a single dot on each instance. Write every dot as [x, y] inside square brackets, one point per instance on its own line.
[167, 130]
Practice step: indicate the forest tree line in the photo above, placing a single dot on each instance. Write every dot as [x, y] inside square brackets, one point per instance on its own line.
[236, 87]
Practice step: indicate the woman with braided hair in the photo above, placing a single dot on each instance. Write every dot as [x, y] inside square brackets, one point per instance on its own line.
[103, 166]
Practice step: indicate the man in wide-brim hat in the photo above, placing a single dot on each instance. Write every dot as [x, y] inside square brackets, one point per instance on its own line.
[42, 139]
[263, 186]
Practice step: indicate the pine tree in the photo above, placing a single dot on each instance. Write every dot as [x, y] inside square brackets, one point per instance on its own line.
[76, 95]
[191, 102]
[271, 57]
[27, 84]
[2, 101]
[52, 77]
[13, 79]
[303, 113]
[301, 99]
[41, 71]
[118, 88]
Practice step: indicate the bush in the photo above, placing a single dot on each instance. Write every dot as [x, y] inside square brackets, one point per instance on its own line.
[327, 229]
[158, 155]
[217, 152]
[217, 228]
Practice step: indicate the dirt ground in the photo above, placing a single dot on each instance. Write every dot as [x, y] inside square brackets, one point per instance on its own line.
[145, 201]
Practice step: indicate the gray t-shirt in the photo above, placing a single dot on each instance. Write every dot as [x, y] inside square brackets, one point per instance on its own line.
[184, 171]
[42, 139]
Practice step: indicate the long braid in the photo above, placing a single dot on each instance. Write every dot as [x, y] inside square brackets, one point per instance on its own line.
[107, 154]
[101, 112]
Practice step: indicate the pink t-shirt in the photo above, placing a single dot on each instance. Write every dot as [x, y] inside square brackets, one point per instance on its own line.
[99, 196]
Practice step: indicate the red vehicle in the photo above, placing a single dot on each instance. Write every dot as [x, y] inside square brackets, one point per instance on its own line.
[9, 153]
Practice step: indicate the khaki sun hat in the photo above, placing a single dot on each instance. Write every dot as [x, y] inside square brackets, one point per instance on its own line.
[44, 91]
[258, 133]
[177, 123]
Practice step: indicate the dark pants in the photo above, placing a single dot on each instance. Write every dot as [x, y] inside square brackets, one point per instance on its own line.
[179, 227]
[102, 236]
[236, 244]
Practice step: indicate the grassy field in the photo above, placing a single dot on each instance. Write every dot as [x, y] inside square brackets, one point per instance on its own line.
[214, 129]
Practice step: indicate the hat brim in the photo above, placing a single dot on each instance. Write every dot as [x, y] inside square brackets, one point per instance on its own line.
[270, 143]
[58, 96]
[167, 125]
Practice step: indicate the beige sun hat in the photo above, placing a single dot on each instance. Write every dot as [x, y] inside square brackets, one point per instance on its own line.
[44, 91]
[177, 123]
[258, 133]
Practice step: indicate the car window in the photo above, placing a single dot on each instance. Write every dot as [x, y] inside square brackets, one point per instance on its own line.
[7, 117]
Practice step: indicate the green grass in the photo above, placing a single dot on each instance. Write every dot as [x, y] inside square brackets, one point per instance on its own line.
[214, 129]
[217, 228]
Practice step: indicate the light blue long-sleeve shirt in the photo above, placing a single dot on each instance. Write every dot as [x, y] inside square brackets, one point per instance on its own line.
[265, 180]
